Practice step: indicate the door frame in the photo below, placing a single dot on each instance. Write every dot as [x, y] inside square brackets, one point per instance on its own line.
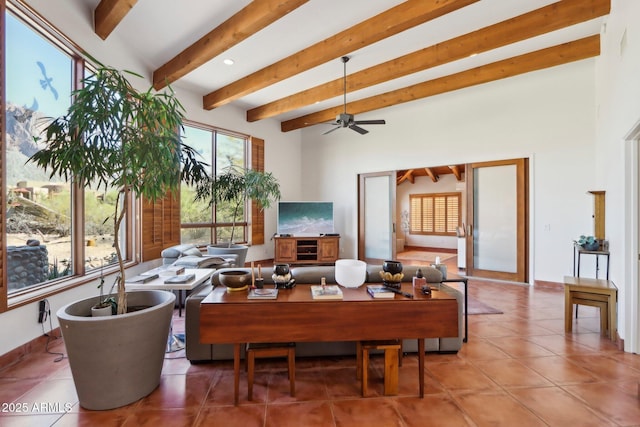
[630, 315]
[522, 229]
[361, 214]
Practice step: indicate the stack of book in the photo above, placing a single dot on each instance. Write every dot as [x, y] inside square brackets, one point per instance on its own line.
[180, 278]
[142, 278]
[263, 294]
[165, 270]
[380, 292]
[326, 292]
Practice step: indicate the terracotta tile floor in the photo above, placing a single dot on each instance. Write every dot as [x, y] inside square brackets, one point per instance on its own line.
[518, 368]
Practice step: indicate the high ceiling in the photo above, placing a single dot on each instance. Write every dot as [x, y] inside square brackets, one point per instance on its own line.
[399, 50]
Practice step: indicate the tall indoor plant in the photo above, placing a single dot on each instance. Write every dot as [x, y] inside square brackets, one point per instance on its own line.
[235, 186]
[116, 136]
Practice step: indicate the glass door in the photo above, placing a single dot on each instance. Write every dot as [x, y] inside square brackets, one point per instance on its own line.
[497, 233]
[376, 217]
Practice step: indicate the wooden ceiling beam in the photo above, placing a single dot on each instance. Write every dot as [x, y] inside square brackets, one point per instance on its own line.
[434, 177]
[390, 22]
[540, 21]
[456, 171]
[408, 175]
[254, 17]
[108, 15]
[545, 58]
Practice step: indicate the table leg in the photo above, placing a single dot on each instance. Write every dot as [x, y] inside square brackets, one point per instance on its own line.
[568, 310]
[466, 312]
[613, 318]
[236, 373]
[421, 365]
[579, 255]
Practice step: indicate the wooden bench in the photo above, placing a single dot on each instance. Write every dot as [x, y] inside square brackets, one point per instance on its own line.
[599, 293]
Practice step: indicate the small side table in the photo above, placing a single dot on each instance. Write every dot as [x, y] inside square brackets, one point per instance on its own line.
[593, 292]
[577, 254]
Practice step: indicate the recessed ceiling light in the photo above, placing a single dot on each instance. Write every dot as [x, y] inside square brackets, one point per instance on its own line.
[228, 61]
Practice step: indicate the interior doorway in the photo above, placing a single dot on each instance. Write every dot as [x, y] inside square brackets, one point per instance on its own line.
[426, 187]
[400, 237]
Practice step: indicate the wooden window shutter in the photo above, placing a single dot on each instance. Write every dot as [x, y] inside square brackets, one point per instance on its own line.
[440, 214]
[160, 226]
[437, 214]
[257, 214]
[453, 213]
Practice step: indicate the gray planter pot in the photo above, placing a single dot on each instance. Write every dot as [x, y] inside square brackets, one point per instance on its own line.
[223, 248]
[117, 360]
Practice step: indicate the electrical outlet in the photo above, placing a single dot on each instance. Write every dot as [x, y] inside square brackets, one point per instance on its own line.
[42, 311]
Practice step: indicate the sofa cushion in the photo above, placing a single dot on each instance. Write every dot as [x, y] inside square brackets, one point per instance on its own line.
[311, 275]
[176, 251]
[192, 261]
[192, 252]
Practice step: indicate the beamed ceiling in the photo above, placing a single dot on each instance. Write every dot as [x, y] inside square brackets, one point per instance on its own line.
[287, 53]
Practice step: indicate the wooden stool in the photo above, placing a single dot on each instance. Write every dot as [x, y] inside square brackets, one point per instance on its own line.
[264, 350]
[392, 358]
[593, 292]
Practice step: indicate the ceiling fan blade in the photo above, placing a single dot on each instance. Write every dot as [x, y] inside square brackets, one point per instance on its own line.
[358, 129]
[331, 130]
[370, 122]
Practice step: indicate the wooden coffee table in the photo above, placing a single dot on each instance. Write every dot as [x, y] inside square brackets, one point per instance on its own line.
[229, 317]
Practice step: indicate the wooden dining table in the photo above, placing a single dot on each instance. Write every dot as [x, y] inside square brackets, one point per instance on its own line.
[231, 318]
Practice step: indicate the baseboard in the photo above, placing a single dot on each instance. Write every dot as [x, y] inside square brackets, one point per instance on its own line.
[36, 345]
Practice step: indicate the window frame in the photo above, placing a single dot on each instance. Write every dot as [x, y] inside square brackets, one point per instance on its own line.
[213, 225]
[433, 196]
[79, 276]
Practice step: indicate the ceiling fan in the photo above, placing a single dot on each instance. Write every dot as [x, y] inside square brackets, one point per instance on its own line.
[345, 120]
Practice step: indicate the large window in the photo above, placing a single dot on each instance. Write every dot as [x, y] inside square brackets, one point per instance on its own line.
[53, 230]
[203, 222]
[434, 214]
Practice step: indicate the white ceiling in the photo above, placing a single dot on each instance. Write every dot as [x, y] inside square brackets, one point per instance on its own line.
[157, 30]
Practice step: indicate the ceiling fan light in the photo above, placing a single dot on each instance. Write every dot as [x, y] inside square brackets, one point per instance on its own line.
[346, 120]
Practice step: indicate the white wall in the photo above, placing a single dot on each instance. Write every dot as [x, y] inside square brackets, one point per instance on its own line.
[618, 112]
[282, 152]
[547, 116]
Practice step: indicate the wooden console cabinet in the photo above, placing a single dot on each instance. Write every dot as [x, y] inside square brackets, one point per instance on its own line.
[307, 250]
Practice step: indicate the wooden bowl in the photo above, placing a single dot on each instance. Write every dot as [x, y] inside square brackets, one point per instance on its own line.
[235, 280]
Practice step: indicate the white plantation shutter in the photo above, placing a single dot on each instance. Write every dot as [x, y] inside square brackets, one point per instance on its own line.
[437, 214]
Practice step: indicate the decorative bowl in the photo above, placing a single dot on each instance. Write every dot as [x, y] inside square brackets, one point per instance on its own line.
[281, 269]
[235, 280]
[393, 267]
[351, 273]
